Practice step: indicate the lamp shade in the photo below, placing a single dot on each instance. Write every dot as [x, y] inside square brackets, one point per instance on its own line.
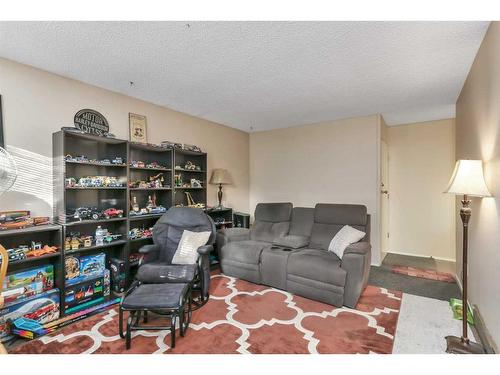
[468, 178]
[220, 177]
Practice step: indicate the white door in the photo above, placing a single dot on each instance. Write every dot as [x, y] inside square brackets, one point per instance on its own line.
[384, 199]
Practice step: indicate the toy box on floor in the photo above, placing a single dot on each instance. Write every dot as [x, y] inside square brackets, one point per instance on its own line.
[24, 284]
[79, 269]
[42, 308]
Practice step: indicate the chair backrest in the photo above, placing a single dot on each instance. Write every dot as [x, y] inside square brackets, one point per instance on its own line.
[272, 220]
[330, 218]
[167, 231]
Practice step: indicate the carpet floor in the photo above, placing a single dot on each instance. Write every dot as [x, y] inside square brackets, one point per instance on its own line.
[242, 317]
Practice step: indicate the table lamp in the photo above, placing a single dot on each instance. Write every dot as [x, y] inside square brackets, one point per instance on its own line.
[220, 177]
[467, 180]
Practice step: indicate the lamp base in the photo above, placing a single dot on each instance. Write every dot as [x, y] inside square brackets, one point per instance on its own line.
[457, 345]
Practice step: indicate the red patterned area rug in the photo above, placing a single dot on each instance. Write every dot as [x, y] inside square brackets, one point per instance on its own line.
[424, 274]
[242, 317]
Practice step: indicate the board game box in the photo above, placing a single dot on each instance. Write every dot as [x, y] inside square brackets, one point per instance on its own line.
[18, 286]
[84, 268]
[83, 292]
[42, 308]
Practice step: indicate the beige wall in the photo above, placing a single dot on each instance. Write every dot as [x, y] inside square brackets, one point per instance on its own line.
[334, 162]
[478, 137]
[422, 218]
[37, 103]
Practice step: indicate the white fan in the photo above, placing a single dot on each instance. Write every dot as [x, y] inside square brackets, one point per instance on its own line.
[8, 171]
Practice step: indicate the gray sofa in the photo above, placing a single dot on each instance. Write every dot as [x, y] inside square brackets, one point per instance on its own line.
[287, 248]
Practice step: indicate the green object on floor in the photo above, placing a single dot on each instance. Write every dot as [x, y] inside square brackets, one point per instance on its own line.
[456, 306]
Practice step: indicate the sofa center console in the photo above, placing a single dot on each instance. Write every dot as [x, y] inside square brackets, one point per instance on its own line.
[273, 266]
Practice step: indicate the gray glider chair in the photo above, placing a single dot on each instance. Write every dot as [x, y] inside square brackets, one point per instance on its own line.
[156, 265]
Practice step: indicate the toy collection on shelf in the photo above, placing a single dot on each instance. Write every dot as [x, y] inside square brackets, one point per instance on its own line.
[151, 207]
[140, 233]
[155, 182]
[29, 251]
[94, 182]
[76, 240]
[29, 294]
[93, 213]
[20, 220]
[83, 159]
[142, 164]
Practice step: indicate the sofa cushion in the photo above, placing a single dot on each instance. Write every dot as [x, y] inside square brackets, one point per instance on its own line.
[267, 231]
[318, 265]
[302, 221]
[345, 214]
[271, 220]
[244, 251]
[292, 241]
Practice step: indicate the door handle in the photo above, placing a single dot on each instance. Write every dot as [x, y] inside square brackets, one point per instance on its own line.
[384, 191]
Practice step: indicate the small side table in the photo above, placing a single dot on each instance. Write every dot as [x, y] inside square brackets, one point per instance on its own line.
[223, 217]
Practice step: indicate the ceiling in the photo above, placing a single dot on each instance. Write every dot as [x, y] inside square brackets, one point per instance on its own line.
[262, 75]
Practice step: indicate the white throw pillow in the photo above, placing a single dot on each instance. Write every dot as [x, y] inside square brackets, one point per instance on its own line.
[187, 250]
[346, 236]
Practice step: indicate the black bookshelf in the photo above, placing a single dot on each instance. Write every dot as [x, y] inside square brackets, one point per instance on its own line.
[140, 162]
[67, 199]
[199, 160]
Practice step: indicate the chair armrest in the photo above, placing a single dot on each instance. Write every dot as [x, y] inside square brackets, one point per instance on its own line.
[361, 248]
[151, 252]
[205, 250]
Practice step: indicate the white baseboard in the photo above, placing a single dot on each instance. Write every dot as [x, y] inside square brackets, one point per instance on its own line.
[422, 256]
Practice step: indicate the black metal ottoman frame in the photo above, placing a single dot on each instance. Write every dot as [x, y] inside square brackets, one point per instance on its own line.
[182, 312]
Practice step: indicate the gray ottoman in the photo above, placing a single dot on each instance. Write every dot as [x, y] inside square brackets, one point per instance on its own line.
[171, 300]
[273, 266]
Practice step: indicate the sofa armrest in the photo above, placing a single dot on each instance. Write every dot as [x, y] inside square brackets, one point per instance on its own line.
[356, 262]
[361, 248]
[224, 236]
[150, 252]
[235, 234]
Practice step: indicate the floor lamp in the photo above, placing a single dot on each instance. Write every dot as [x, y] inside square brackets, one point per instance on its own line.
[467, 180]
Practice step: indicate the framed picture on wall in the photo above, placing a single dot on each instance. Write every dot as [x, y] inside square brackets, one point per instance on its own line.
[138, 128]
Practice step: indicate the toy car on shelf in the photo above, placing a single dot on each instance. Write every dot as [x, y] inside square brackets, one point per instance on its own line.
[137, 164]
[157, 210]
[20, 220]
[87, 213]
[155, 165]
[108, 238]
[16, 254]
[112, 212]
[43, 251]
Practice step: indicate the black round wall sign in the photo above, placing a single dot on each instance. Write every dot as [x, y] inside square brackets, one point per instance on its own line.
[92, 122]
